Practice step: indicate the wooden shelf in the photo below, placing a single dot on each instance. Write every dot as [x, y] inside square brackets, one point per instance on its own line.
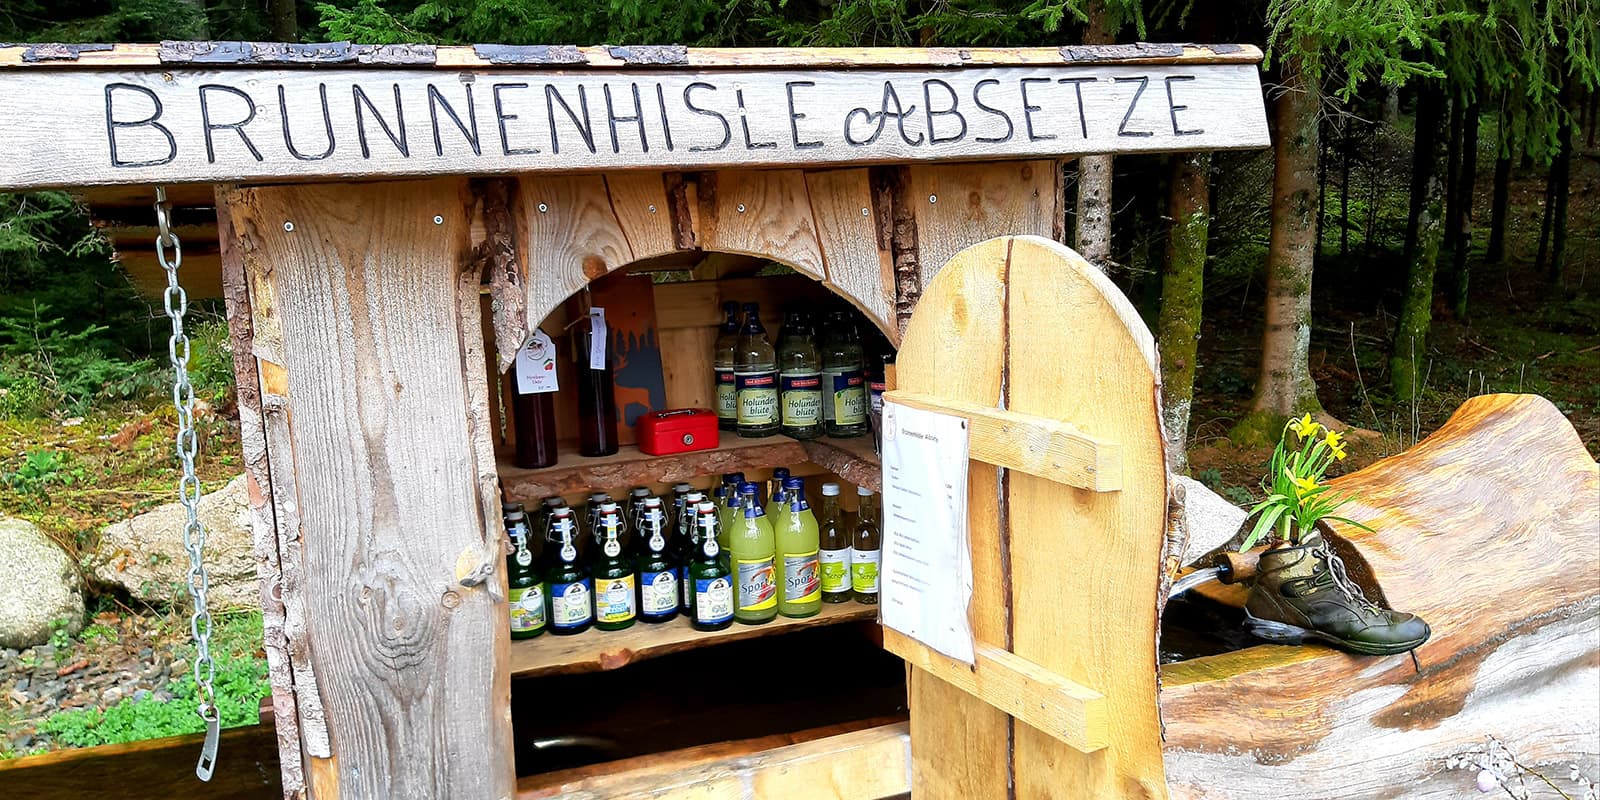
[852, 459]
[596, 650]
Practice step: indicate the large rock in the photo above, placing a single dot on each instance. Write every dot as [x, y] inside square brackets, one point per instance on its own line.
[1212, 519]
[145, 553]
[38, 586]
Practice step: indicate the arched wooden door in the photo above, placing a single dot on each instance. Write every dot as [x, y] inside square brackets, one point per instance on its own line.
[1067, 489]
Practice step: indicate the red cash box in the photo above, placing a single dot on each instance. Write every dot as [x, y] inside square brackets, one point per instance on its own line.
[681, 430]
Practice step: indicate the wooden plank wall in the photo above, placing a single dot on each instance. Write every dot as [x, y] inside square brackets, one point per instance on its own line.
[385, 466]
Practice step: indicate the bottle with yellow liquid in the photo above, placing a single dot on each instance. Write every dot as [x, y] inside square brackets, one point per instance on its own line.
[836, 538]
[777, 504]
[752, 553]
[797, 541]
[731, 514]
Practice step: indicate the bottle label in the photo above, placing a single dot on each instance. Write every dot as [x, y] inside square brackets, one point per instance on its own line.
[864, 570]
[802, 399]
[613, 599]
[875, 391]
[536, 365]
[686, 586]
[527, 609]
[597, 338]
[727, 395]
[658, 592]
[835, 568]
[758, 397]
[801, 583]
[713, 600]
[613, 548]
[571, 604]
[829, 407]
[758, 584]
[849, 398]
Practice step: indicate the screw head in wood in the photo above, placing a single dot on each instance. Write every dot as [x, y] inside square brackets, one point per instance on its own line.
[933, 198]
[543, 208]
[438, 220]
[288, 227]
[865, 212]
[652, 208]
[741, 208]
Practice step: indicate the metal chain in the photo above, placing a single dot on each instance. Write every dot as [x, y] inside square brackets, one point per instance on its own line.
[186, 442]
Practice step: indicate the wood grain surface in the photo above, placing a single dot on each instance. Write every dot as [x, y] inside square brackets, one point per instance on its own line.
[959, 205]
[1488, 530]
[192, 123]
[399, 534]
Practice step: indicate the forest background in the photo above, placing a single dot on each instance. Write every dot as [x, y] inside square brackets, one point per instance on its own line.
[1425, 228]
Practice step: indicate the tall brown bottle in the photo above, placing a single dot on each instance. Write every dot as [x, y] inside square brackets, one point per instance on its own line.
[597, 404]
[535, 421]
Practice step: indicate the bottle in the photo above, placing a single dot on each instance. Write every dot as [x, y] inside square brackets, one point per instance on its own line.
[798, 553]
[658, 575]
[591, 516]
[630, 528]
[571, 589]
[844, 390]
[711, 604]
[799, 380]
[722, 367]
[834, 558]
[689, 534]
[752, 552]
[730, 483]
[866, 549]
[678, 539]
[755, 372]
[615, 585]
[597, 403]
[522, 577]
[877, 383]
[534, 418]
[775, 490]
[547, 509]
[730, 516]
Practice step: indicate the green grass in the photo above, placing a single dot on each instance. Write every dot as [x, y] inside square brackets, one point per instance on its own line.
[241, 683]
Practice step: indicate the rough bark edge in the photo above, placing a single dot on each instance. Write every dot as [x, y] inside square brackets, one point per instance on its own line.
[263, 522]
[892, 186]
[498, 254]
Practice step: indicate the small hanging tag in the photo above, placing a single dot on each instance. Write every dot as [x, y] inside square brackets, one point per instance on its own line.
[536, 365]
[597, 338]
[208, 751]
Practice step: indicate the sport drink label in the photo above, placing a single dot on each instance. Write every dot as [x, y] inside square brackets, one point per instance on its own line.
[713, 600]
[658, 592]
[801, 583]
[571, 604]
[527, 608]
[758, 397]
[613, 599]
[835, 568]
[758, 585]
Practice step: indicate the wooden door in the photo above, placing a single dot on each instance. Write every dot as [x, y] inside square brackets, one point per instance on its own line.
[1067, 492]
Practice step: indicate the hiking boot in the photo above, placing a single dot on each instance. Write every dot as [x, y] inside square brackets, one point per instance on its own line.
[1304, 593]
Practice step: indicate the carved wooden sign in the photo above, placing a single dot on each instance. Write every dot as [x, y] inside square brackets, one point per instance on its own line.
[87, 128]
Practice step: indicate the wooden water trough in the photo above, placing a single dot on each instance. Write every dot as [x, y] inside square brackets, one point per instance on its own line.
[391, 223]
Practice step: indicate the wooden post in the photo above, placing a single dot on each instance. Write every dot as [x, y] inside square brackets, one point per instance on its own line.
[391, 517]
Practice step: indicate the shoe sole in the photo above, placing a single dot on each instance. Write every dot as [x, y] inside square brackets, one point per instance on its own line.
[1284, 633]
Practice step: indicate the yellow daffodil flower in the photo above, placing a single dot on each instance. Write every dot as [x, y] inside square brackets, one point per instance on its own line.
[1304, 427]
[1302, 486]
[1333, 439]
[1337, 451]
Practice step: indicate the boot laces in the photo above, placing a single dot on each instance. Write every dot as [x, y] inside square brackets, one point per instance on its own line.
[1340, 578]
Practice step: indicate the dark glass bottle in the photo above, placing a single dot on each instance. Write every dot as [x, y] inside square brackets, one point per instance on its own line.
[597, 404]
[534, 418]
[658, 575]
[688, 538]
[528, 612]
[755, 372]
[711, 603]
[570, 587]
[722, 368]
[615, 584]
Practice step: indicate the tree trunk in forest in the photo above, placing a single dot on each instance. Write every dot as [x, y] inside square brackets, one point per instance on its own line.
[1322, 193]
[1461, 223]
[1430, 107]
[1409, 348]
[1452, 170]
[285, 28]
[1502, 201]
[1094, 172]
[1391, 107]
[1345, 144]
[1558, 195]
[1178, 326]
[1284, 386]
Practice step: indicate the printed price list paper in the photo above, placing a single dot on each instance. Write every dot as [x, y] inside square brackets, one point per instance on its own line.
[927, 561]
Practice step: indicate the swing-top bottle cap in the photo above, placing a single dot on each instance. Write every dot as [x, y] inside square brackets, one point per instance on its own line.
[683, 487]
[863, 491]
[640, 491]
[705, 507]
[695, 497]
[555, 502]
[830, 490]
[652, 502]
[608, 506]
[506, 507]
[599, 497]
[515, 515]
